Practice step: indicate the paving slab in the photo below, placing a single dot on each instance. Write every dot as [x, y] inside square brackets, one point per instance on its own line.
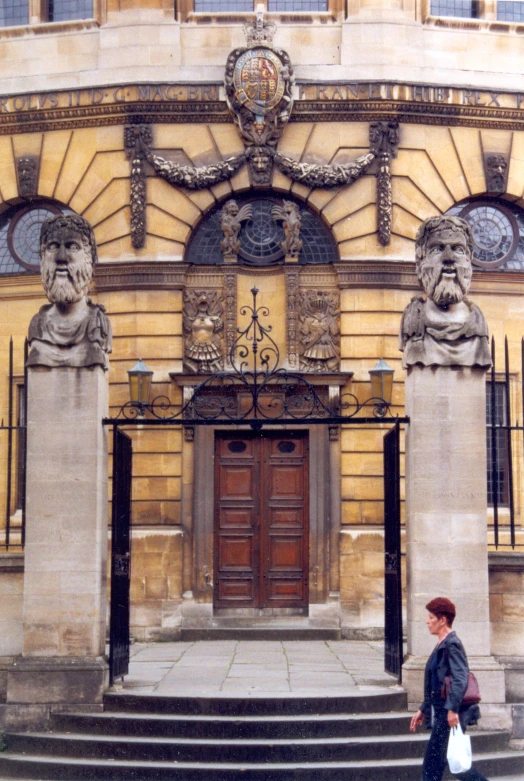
[257, 667]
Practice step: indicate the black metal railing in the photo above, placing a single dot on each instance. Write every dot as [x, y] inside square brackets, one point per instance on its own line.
[503, 437]
[16, 459]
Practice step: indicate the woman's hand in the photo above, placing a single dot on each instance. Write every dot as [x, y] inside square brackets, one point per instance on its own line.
[417, 719]
[453, 718]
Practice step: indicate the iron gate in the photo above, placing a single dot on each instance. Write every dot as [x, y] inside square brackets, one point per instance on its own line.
[392, 564]
[120, 556]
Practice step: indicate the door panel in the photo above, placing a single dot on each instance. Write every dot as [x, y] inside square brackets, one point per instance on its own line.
[261, 528]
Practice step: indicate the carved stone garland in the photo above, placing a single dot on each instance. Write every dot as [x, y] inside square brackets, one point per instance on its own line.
[258, 84]
[136, 140]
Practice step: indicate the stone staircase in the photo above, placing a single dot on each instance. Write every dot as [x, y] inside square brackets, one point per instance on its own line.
[150, 738]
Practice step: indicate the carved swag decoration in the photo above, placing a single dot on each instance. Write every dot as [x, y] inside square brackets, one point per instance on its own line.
[203, 326]
[319, 331]
[258, 84]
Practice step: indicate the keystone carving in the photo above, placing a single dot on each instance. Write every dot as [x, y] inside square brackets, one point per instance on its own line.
[202, 322]
[319, 331]
[496, 173]
[70, 330]
[27, 172]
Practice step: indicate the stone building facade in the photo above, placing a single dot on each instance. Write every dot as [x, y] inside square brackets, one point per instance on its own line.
[126, 115]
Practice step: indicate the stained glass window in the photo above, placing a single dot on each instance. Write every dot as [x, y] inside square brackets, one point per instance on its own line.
[294, 6]
[20, 237]
[467, 8]
[261, 237]
[498, 233]
[221, 6]
[14, 12]
[65, 10]
[510, 11]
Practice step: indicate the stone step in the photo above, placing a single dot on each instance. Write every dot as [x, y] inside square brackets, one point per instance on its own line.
[234, 727]
[263, 705]
[45, 768]
[202, 750]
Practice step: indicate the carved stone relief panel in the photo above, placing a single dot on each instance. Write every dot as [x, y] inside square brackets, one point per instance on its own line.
[318, 321]
[203, 323]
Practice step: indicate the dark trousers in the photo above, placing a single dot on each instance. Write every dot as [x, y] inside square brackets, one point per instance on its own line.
[435, 759]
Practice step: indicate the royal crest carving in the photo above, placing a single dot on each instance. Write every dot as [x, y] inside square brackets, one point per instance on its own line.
[27, 173]
[203, 324]
[260, 31]
[319, 331]
[231, 220]
[496, 173]
[289, 215]
[258, 84]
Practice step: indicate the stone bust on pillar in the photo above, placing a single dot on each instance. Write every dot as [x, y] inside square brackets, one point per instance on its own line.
[443, 327]
[70, 330]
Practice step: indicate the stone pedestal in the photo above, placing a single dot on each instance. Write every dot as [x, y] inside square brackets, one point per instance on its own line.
[446, 543]
[64, 600]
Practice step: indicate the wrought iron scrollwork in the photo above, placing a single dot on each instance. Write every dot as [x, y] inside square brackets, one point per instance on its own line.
[255, 390]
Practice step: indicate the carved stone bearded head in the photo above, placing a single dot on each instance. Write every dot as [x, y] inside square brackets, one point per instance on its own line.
[444, 246]
[68, 254]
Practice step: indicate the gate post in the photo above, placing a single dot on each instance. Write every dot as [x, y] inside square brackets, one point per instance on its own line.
[446, 354]
[64, 602]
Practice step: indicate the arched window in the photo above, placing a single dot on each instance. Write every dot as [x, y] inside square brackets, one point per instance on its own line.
[262, 235]
[498, 232]
[20, 235]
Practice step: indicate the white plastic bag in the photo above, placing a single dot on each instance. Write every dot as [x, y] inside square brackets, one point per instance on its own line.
[459, 750]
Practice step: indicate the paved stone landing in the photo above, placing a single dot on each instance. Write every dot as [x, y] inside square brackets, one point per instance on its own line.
[241, 667]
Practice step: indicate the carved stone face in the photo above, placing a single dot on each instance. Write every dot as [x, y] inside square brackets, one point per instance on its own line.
[445, 269]
[66, 266]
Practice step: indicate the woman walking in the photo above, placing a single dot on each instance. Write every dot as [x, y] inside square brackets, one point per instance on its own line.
[448, 659]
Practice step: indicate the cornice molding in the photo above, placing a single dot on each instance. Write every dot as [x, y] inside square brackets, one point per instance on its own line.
[168, 103]
[174, 275]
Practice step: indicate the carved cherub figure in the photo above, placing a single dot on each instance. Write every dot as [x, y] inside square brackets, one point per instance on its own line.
[442, 327]
[230, 221]
[70, 330]
[291, 218]
[202, 321]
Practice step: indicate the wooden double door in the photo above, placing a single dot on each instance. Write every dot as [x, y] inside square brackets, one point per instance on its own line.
[261, 547]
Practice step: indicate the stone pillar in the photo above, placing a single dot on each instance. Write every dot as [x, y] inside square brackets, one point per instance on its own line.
[446, 542]
[64, 601]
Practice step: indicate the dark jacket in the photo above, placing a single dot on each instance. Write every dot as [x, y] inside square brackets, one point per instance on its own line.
[452, 661]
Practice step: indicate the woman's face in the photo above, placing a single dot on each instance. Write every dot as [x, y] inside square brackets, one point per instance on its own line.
[434, 624]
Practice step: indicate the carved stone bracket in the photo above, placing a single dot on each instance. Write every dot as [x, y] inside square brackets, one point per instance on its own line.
[496, 171]
[292, 293]
[136, 140]
[27, 175]
[230, 302]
